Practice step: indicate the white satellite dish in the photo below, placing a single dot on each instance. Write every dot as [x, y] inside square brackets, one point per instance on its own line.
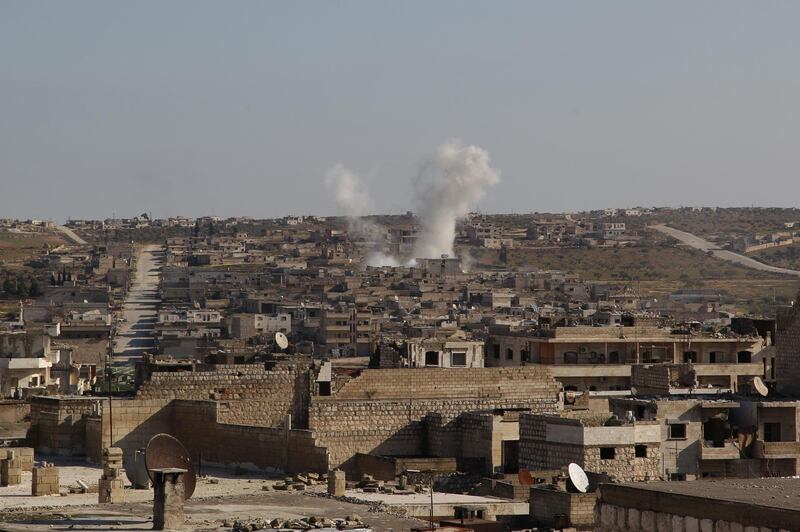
[281, 340]
[634, 391]
[760, 387]
[578, 477]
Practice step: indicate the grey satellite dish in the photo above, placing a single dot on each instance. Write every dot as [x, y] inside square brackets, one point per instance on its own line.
[634, 391]
[578, 477]
[281, 340]
[137, 471]
[760, 387]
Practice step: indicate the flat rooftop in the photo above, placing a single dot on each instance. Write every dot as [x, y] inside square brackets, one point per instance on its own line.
[770, 502]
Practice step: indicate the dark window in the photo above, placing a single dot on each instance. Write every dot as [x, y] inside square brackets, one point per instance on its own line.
[640, 451]
[496, 348]
[677, 476]
[690, 356]
[526, 357]
[570, 357]
[743, 357]
[677, 431]
[639, 411]
[459, 359]
[613, 357]
[772, 368]
[772, 432]
[431, 358]
[509, 354]
[607, 453]
[715, 357]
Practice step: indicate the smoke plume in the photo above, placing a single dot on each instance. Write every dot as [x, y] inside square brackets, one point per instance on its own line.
[354, 201]
[448, 186]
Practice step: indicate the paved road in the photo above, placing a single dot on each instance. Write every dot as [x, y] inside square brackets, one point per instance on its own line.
[704, 245]
[140, 308]
[69, 233]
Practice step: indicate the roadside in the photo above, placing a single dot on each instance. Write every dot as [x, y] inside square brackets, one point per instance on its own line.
[723, 254]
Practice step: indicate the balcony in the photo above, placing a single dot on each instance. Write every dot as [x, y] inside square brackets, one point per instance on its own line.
[777, 449]
[726, 452]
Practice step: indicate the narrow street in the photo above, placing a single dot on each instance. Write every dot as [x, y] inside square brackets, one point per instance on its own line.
[140, 309]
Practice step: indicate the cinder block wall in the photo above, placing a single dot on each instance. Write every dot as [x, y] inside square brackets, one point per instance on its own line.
[787, 350]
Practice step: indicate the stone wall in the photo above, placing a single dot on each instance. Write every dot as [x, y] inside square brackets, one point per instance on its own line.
[253, 395]
[200, 427]
[12, 411]
[546, 504]
[383, 411]
[58, 424]
[537, 451]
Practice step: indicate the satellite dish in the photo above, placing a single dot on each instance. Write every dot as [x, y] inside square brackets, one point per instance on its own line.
[137, 471]
[760, 387]
[165, 451]
[634, 391]
[281, 340]
[578, 477]
[525, 477]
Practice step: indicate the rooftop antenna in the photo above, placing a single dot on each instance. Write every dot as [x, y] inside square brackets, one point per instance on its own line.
[578, 477]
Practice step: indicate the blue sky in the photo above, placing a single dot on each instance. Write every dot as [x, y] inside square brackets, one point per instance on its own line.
[238, 108]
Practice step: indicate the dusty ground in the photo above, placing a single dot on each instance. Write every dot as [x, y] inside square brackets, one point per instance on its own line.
[213, 504]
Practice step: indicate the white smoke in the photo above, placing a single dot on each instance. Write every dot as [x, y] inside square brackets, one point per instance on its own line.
[448, 186]
[354, 201]
[379, 259]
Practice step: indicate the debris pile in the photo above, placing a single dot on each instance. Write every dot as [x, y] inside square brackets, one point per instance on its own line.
[300, 481]
[351, 522]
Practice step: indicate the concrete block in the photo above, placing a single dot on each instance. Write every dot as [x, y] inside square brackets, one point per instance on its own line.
[737, 527]
[706, 525]
[678, 523]
[691, 524]
[634, 519]
[622, 520]
[608, 516]
[663, 522]
[722, 526]
[648, 520]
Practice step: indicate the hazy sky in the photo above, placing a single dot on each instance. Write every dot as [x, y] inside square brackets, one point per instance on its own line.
[239, 108]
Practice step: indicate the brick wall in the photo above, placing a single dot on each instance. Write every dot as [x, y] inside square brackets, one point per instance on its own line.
[384, 411]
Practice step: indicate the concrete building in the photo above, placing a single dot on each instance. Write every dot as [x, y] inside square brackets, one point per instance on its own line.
[346, 331]
[455, 351]
[246, 326]
[598, 442]
[600, 358]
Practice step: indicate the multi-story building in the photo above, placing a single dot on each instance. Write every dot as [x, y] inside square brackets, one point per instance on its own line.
[600, 358]
[347, 331]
